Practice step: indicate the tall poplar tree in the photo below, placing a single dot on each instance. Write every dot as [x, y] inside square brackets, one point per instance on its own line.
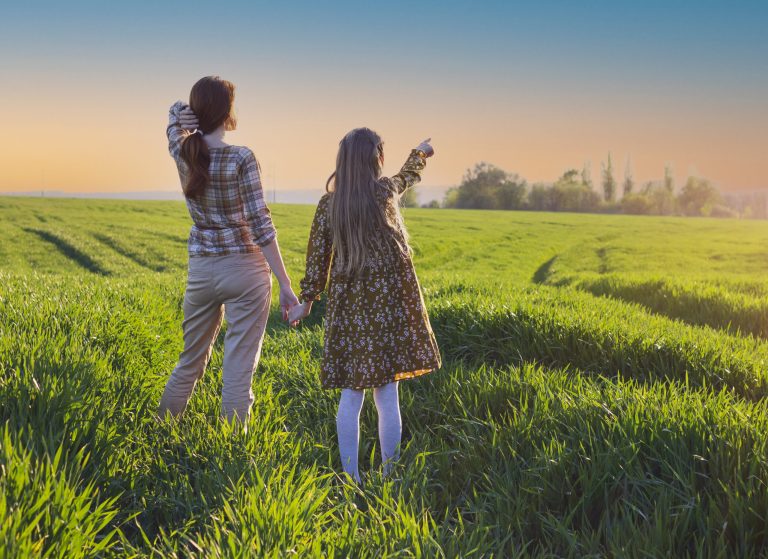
[629, 182]
[609, 183]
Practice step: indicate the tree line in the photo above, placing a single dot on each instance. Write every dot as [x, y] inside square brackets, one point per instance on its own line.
[488, 187]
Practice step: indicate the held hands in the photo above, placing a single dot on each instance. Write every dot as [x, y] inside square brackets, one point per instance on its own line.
[292, 310]
[426, 147]
[288, 300]
[299, 312]
[188, 119]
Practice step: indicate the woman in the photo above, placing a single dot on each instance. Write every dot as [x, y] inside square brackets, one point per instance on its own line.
[232, 248]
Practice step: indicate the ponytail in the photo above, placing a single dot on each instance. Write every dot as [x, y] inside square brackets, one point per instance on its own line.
[194, 152]
[212, 100]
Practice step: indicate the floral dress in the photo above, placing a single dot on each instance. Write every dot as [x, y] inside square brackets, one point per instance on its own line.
[376, 326]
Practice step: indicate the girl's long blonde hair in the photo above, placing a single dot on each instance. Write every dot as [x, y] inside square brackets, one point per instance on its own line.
[356, 218]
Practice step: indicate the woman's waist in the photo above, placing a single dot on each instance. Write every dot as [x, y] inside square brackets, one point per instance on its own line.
[204, 227]
[225, 260]
[233, 236]
[221, 242]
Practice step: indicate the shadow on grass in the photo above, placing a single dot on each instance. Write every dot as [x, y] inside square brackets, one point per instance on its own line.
[689, 307]
[498, 337]
[77, 256]
[130, 255]
[178, 239]
[544, 271]
[522, 444]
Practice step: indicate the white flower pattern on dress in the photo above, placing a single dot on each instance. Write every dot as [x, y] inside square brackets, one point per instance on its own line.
[376, 326]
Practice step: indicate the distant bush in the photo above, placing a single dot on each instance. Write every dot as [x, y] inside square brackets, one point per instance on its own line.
[569, 194]
[750, 205]
[488, 187]
[720, 210]
[638, 204]
[661, 197]
[698, 197]
[540, 198]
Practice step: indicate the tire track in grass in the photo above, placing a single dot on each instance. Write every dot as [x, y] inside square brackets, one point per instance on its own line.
[602, 254]
[697, 305]
[70, 251]
[734, 311]
[600, 335]
[544, 271]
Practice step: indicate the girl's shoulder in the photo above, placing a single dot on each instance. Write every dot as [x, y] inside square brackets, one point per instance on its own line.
[325, 200]
[385, 189]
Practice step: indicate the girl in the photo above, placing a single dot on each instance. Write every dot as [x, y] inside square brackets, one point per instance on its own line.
[232, 248]
[376, 327]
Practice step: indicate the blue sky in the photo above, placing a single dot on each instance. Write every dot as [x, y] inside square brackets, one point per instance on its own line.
[628, 77]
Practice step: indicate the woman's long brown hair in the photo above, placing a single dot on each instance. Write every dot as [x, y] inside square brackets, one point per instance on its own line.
[212, 100]
[355, 215]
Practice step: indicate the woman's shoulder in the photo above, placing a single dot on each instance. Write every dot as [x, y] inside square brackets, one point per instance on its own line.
[242, 153]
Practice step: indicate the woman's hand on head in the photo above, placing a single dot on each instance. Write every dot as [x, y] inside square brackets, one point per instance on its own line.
[188, 119]
[426, 147]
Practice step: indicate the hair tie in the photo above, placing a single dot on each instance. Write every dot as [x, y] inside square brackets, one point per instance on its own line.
[198, 131]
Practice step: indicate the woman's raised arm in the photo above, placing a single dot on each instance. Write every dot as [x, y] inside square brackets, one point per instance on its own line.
[181, 121]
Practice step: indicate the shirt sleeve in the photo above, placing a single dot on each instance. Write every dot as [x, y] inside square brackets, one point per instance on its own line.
[174, 131]
[319, 252]
[409, 175]
[255, 208]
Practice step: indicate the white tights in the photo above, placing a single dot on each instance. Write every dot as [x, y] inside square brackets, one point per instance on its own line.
[348, 426]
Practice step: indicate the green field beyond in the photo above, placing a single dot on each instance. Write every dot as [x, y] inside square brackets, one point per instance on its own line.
[603, 394]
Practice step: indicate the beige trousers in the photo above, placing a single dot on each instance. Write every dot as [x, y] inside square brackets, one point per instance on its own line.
[239, 288]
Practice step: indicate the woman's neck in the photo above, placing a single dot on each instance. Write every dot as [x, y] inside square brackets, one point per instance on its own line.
[215, 139]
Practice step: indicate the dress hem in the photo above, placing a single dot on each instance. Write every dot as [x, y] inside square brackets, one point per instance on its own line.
[402, 375]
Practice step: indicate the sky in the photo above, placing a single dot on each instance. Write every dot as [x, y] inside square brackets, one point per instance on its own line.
[535, 88]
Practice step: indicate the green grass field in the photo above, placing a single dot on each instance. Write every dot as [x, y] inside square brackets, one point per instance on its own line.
[603, 395]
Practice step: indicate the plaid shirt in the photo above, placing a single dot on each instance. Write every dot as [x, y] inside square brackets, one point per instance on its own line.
[230, 216]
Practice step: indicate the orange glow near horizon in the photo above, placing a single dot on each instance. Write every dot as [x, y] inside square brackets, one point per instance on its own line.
[98, 147]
